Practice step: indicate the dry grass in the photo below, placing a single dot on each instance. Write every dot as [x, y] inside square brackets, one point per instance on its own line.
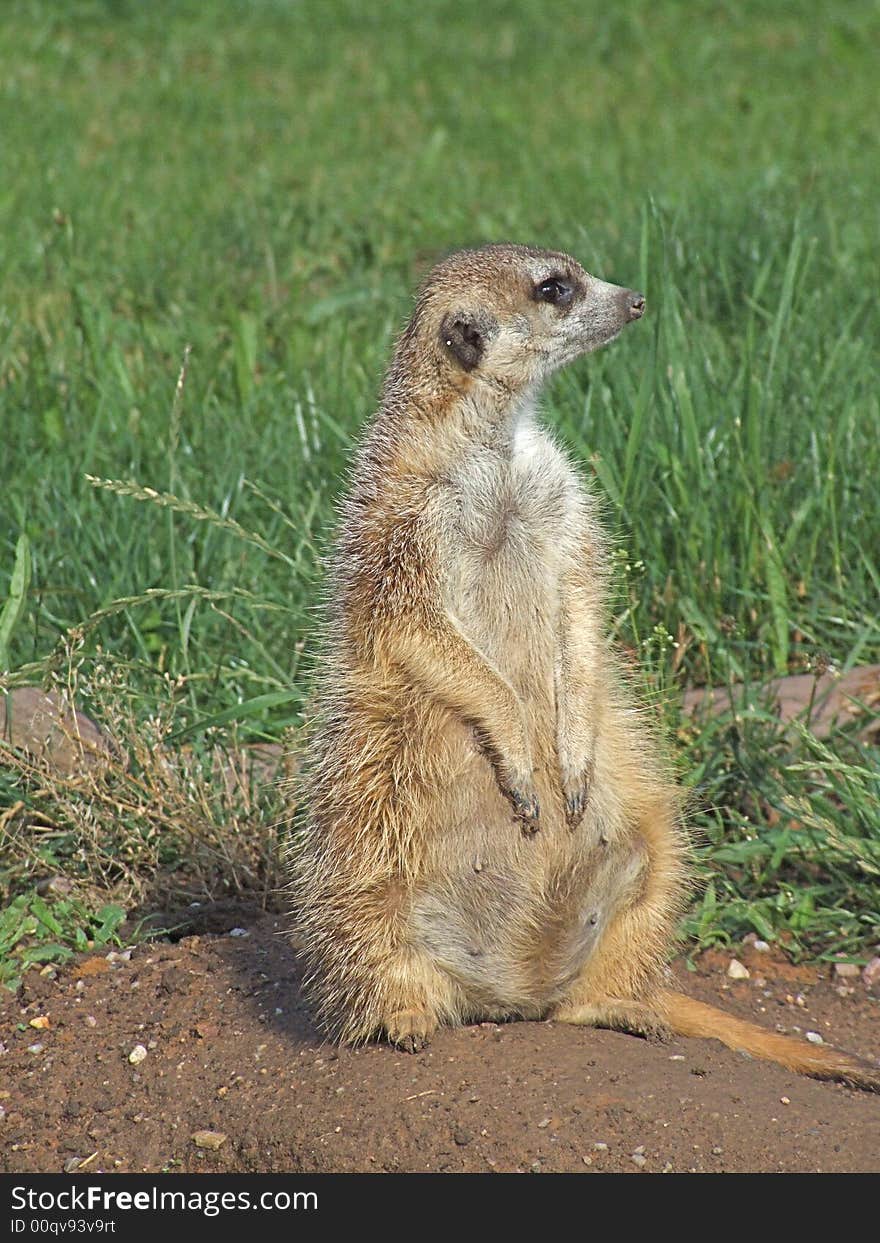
[126, 815]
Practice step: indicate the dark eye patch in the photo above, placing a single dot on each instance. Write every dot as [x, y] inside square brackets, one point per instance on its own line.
[556, 290]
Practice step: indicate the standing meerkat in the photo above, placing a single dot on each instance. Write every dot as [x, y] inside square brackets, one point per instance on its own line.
[491, 832]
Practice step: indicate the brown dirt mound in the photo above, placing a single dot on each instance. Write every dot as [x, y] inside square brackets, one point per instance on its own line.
[230, 1050]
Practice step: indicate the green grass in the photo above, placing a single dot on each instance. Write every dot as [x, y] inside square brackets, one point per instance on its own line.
[262, 183]
[44, 933]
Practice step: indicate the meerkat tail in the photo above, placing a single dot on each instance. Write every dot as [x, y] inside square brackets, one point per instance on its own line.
[687, 1017]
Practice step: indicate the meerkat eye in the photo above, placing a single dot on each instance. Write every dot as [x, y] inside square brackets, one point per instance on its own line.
[555, 290]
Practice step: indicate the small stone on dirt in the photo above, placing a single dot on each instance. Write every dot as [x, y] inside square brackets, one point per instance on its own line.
[41, 1023]
[462, 1137]
[137, 1055]
[814, 1038]
[847, 970]
[871, 974]
[209, 1139]
[762, 947]
[239, 932]
[638, 1158]
[737, 970]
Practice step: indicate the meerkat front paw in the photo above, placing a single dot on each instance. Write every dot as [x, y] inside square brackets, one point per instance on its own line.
[518, 787]
[526, 809]
[576, 787]
[410, 1030]
[514, 778]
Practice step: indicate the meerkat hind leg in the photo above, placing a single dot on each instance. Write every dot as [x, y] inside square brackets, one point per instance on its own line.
[639, 1018]
[410, 1030]
[417, 999]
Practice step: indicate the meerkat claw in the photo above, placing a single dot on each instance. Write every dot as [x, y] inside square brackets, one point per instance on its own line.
[526, 809]
[575, 806]
[410, 1030]
[577, 796]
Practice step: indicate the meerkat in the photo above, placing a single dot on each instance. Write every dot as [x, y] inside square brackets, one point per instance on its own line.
[492, 832]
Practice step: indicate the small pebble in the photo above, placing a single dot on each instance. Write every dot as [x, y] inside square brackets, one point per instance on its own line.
[762, 947]
[543, 1124]
[847, 970]
[209, 1139]
[737, 970]
[239, 932]
[137, 1055]
[871, 974]
[35, 1048]
[785, 1100]
[40, 1023]
[600, 1147]
[91, 1021]
[639, 1159]
[814, 1038]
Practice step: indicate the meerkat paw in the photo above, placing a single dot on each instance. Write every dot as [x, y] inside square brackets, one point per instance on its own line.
[516, 783]
[526, 809]
[576, 787]
[637, 1018]
[410, 1030]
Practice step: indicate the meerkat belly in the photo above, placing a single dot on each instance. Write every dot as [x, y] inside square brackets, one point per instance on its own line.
[515, 925]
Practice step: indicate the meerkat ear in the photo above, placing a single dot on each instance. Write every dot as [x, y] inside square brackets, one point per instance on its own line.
[465, 337]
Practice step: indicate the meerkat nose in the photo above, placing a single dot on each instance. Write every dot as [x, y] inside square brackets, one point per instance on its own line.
[635, 304]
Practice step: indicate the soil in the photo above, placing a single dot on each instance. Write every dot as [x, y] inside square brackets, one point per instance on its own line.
[230, 1050]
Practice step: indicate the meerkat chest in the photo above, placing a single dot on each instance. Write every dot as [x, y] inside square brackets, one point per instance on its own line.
[517, 515]
[517, 527]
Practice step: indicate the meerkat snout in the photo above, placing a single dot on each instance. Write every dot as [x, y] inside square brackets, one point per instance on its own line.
[634, 304]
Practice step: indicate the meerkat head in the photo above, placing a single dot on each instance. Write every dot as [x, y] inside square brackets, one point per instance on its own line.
[510, 315]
